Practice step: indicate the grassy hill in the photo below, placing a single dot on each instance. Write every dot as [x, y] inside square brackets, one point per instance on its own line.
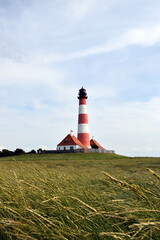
[79, 196]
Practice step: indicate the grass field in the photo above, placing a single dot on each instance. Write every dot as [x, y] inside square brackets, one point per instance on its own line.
[79, 197]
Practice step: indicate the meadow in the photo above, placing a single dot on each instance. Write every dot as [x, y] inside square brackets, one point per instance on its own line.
[79, 197]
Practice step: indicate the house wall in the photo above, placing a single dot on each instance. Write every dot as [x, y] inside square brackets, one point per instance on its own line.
[68, 147]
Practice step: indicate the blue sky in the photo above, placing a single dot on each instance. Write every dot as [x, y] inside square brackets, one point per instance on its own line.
[49, 49]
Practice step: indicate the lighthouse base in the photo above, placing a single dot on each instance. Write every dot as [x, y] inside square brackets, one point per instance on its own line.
[84, 139]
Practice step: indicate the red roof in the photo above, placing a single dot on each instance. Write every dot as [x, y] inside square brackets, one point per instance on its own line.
[71, 140]
[96, 144]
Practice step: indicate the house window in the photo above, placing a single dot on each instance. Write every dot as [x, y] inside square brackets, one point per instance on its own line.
[64, 148]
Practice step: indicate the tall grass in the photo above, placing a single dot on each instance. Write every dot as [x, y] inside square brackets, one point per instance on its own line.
[114, 198]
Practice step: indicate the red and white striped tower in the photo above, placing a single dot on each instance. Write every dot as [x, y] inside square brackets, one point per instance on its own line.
[83, 130]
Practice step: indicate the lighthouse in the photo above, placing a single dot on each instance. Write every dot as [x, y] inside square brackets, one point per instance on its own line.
[82, 143]
[83, 130]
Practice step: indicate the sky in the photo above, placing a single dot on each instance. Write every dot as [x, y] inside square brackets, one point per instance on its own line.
[50, 49]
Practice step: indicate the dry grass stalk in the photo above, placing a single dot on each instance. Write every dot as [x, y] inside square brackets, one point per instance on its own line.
[135, 188]
[137, 211]
[155, 174]
[121, 236]
[40, 216]
[50, 199]
[11, 222]
[145, 224]
[85, 204]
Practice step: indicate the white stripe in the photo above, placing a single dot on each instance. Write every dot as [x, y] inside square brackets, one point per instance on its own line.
[82, 109]
[83, 128]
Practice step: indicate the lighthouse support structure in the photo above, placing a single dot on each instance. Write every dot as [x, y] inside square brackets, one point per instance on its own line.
[83, 130]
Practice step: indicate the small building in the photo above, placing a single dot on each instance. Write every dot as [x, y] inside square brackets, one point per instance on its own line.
[95, 145]
[70, 142]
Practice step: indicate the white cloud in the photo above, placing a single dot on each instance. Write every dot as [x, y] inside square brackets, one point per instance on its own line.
[138, 36]
[146, 37]
[12, 72]
[128, 128]
[78, 10]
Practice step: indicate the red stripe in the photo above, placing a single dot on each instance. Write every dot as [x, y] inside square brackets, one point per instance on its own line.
[82, 101]
[83, 118]
[84, 138]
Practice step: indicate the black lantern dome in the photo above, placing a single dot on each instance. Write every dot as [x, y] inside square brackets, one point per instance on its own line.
[82, 93]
